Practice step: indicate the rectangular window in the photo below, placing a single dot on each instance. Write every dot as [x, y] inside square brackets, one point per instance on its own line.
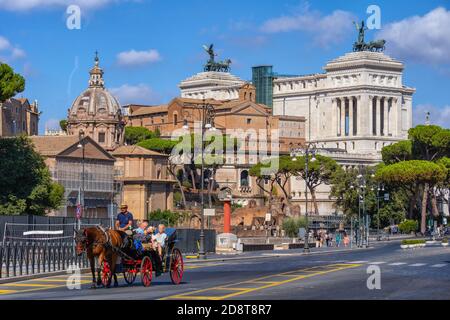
[101, 137]
[249, 120]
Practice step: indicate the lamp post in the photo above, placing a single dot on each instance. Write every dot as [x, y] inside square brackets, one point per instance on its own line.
[81, 145]
[362, 235]
[207, 123]
[380, 187]
[307, 150]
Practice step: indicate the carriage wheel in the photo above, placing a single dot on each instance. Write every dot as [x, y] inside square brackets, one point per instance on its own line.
[146, 271]
[106, 274]
[130, 276]
[176, 266]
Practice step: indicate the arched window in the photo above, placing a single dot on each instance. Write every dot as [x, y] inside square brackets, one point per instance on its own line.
[175, 119]
[245, 178]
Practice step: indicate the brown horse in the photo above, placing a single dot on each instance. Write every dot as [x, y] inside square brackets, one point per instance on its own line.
[99, 243]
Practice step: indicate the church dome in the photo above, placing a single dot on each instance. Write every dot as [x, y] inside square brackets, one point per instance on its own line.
[97, 112]
[96, 100]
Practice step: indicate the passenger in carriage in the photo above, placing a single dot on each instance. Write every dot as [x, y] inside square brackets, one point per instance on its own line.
[142, 229]
[160, 239]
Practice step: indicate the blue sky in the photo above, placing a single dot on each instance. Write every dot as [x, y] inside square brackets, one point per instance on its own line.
[147, 47]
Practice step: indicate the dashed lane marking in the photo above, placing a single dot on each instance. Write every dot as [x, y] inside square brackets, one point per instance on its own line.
[235, 289]
[397, 263]
[417, 265]
[359, 262]
[377, 262]
[439, 265]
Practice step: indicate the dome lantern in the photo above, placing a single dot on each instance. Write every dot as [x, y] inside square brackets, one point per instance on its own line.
[96, 75]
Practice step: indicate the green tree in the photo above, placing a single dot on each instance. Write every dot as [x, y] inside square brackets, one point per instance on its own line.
[165, 216]
[429, 142]
[134, 135]
[158, 145]
[291, 226]
[400, 151]
[425, 173]
[276, 175]
[10, 83]
[321, 171]
[25, 180]
[63, 125]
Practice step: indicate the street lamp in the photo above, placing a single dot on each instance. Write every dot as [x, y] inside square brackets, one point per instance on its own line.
[363, 233]
[380, 187]
[207, 123]
[81, 145]
[307, 150]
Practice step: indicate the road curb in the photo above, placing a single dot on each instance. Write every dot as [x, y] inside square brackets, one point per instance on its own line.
[38, 276]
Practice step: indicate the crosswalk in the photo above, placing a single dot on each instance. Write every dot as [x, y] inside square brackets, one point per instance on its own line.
[396, 264]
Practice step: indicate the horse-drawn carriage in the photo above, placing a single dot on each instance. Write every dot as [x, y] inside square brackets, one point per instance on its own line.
[144, 261]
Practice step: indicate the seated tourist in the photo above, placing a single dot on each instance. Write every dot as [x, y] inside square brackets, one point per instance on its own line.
[142, 229]
[160, 239]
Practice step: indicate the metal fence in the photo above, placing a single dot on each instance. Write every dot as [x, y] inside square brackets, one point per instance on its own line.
[19, 258]
[22, 254]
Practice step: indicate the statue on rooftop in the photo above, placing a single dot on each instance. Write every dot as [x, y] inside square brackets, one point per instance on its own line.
[212, 65]
[361, 45]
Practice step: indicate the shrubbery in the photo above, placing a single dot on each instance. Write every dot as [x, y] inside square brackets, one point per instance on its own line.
[165, 216]
[408, 226]
[291, 226]
[412, 241]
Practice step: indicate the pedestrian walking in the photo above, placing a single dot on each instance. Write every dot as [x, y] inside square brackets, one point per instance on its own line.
[346, 240]
[338, 239]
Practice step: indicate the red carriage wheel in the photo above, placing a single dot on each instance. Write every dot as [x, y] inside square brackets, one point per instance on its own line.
[130, 276]
[146, 271]
[106, 274]
[176, 266]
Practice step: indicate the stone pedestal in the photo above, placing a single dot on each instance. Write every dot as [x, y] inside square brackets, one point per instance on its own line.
[226, 241]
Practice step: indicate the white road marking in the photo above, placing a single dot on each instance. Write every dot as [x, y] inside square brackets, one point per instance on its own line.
[378, 262]
[440, 265]
[418, 265]
[397, 263]
[357, 262]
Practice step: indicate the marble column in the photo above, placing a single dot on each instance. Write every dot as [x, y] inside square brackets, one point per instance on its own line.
[338, 116]
[333, 116]
[387, 107]
[343, 116]
[378, 115]
[350, 116]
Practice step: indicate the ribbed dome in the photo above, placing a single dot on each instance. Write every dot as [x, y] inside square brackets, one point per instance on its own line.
[96, 101]
[97, 113]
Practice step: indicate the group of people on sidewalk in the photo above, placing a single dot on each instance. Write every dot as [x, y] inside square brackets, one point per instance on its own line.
[325, 238]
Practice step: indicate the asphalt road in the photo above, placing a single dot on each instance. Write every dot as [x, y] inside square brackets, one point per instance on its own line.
[404, 274]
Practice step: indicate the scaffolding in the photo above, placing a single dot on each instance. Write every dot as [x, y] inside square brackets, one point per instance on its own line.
[102, 191]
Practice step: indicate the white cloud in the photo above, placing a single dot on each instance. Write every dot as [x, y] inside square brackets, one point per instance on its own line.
[137, 94]
[4, 44]
[24, 5]
[420, 38]
[9, 51]
[135, 58]
[438, 116]
[325, 30]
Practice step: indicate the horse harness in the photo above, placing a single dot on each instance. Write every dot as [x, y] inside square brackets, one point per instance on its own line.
[105, 243]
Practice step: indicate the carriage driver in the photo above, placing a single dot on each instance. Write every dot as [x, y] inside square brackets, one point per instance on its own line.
[124, 222]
